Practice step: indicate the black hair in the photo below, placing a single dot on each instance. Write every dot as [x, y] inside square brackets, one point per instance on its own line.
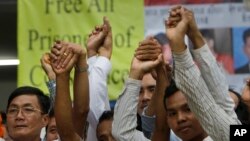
[235, 93]
[43, 100]
[241, 110]
[169, 91]
[3, 115]
[207, 33]
[51, 115]
[106, 115]
[161, 38]
[246, 34]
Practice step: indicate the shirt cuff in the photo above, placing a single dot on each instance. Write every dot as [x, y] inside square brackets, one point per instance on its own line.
[183, 59]
[91, 61]
[51, 83]
[133, 81]
[103, 63]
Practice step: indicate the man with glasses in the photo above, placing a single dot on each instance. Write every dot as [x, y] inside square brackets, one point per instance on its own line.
[27, 110]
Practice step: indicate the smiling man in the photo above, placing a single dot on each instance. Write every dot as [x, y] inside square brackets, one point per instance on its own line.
[27, 110]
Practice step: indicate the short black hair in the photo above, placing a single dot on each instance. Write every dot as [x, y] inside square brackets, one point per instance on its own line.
[43, 100]
[51, 115]
[169, 91]
[161, 38]
[106, 115]
[246, 34]
[235, 93]
[241, 110]
[3, 115]
[207, 33]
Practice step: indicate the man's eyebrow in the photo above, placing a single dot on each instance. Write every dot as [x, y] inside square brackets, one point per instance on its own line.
[13, 105]
[28, 105]
[185, 105]
[25, 105]
[170, 109]
[181, 106]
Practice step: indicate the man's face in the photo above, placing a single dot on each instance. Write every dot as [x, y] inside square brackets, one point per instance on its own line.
[104, 131]
[247, 47]
[51, 133]
[22, 121]
[181, 120]
[146, 92]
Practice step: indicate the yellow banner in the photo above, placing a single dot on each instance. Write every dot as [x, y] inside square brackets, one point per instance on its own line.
[41, 22]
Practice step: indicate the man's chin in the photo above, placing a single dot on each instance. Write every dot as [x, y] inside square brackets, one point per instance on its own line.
[19, 133]
[139, 111]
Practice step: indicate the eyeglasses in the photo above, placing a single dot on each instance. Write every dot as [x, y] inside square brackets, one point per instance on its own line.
[26, 111]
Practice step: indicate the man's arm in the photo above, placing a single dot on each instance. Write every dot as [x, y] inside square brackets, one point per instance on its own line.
[81, 92]
[98, 89]
[162, 131]
[215, 80]
[211, 72]
[98, 74]
[189, 80]
[155, 105]
[51, 83]
[63, 108]
[124, 124]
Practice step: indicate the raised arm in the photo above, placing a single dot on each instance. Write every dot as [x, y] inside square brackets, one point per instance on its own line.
[98, 73]
[155, 107]
[213, 118]
[149, 49]
[51, 84]
[81, 90]
[162, 131]
[211, 71]
[63, 107]
[124, 123]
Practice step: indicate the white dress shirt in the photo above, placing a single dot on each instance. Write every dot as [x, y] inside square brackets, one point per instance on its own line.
[99, 68]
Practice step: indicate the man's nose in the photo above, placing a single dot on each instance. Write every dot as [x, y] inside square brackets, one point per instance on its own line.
[19, 113]
[146, 96]
[181, 117]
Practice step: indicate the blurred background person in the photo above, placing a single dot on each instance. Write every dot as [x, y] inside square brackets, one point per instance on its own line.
[246, 39]
[225, 60]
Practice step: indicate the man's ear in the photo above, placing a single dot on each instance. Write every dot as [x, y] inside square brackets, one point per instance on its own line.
[45, 120]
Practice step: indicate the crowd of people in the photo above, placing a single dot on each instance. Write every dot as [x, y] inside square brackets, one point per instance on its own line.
[186, 98]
